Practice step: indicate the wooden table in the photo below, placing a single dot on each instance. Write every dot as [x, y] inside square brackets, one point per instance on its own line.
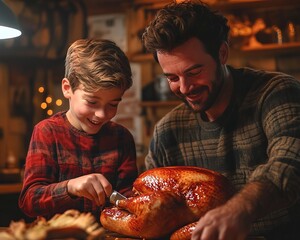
[115, 236]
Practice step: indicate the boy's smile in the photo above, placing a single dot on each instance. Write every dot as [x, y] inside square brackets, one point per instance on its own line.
[89, 111]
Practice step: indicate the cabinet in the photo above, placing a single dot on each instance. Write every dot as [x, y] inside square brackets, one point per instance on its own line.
[280, 13]
[264, 34]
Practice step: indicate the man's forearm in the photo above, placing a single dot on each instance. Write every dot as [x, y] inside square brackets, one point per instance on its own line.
[258, 199]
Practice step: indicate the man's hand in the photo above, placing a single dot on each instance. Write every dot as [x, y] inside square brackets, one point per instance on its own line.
[233, 220]
[93, 186]
[226, 222]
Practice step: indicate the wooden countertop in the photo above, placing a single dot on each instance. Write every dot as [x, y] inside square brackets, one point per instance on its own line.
[9, 188]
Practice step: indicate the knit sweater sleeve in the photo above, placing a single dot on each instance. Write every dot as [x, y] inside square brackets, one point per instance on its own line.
[279, 107]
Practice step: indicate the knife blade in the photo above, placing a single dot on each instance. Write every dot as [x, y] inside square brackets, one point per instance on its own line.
[115, 197]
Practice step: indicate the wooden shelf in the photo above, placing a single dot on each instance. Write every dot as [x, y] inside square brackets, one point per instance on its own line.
[9, 188]
[142, 57]
[272, 48]
[224, 4]
[230, 5]
[30, 58]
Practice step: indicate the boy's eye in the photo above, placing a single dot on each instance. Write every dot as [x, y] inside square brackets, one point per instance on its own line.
[114, 104]
[91, 102]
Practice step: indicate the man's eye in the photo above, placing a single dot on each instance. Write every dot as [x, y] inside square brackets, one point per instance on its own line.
[172, 78]
[194, 73]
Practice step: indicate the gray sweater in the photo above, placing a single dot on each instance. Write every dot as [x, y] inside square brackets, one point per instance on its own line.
[257, 138]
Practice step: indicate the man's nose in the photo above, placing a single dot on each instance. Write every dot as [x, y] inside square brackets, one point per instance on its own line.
[184, 86]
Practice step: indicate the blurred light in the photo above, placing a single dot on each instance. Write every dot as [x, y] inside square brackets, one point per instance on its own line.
[48, 99]
[41, 89]
[59, 102]
[49, 112]
[9, 27]
[44, 105]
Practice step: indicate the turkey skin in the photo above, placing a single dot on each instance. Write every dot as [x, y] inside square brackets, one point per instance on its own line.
[165, 200]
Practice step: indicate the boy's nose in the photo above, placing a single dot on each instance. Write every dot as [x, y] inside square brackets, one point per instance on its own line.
[100, 113]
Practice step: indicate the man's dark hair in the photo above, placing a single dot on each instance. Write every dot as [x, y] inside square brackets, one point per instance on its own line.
[178, 22]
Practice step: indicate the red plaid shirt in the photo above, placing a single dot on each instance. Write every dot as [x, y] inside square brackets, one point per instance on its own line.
[59, 152]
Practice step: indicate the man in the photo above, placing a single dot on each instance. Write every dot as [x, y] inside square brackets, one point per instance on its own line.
[244, 123]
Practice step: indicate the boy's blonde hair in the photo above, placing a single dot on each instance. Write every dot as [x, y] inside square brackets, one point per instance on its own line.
[97, 64]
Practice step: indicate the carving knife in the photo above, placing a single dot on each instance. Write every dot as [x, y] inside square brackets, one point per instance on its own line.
[115, 197]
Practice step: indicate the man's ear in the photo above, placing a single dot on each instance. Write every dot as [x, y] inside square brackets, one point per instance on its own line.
[66, 88]
[223, 53]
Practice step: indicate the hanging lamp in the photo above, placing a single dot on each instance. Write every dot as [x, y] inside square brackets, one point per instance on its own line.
[9, 27]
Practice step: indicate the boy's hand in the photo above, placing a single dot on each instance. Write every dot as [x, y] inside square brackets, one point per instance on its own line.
[93, 186]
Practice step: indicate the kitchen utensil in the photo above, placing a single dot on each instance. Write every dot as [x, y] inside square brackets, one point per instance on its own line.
[115, 197]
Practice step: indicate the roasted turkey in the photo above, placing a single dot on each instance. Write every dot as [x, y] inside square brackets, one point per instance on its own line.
[165, 200]
[184, 233]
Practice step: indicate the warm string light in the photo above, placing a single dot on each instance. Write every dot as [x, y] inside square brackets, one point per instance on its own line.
[48, 99]
[46, 104]
[58, 102]
[41, 89]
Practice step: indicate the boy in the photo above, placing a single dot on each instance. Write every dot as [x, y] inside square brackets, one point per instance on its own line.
[77, 157]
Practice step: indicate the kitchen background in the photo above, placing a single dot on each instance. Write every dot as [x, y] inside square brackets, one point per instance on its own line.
[264, 34]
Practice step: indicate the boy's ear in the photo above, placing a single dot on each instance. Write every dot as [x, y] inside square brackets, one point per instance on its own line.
[66, 88]
[223, 53]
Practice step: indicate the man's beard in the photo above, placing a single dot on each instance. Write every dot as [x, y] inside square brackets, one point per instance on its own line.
[217, 85]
